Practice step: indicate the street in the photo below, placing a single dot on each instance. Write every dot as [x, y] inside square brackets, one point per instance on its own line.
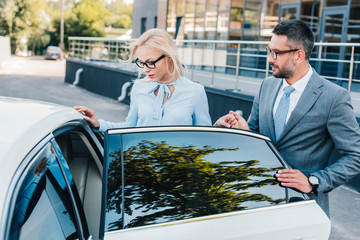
[43, 80]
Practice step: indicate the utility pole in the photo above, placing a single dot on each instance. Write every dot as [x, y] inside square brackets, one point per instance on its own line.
[62, 24]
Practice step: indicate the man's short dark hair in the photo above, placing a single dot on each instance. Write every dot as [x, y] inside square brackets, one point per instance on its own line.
[297, 33]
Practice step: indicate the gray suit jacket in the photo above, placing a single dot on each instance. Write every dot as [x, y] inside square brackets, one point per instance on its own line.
[322, 121]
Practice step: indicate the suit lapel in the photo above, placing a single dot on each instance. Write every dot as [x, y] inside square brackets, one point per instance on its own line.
[307, 100]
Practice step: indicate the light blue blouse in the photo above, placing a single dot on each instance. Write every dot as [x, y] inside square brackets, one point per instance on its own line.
[187, 105]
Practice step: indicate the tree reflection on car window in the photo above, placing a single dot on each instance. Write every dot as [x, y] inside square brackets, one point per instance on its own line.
[164, 182]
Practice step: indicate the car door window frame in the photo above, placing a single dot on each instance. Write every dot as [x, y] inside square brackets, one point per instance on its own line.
[89, 143]
[81, 220]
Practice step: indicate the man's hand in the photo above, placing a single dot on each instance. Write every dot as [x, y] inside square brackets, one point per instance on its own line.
[239, 123]
[232, 120]
[293, 178]
[225, 121]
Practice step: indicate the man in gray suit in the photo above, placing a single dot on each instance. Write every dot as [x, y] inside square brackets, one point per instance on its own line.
[306, 116]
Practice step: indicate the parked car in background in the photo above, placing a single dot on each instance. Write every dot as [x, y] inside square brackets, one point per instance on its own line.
[62, 180]
[53, 52]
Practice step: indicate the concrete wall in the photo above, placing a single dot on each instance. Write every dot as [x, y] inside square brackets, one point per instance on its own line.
[4, 48]
[99, 79]
[162, 14]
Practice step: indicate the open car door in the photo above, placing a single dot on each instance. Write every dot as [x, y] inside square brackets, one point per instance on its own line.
[200, 183]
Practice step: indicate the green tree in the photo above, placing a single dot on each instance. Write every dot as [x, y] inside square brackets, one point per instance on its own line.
[119, 21]
[86, 19]
[24, 21]
[121, 15]
[173, 183]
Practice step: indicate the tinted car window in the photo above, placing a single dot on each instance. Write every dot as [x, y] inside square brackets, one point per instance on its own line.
[43, 208]
[161, 177]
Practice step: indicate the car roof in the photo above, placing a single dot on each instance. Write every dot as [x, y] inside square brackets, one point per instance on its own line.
[23, 124]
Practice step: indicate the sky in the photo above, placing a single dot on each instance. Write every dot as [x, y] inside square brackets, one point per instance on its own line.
[108, 1]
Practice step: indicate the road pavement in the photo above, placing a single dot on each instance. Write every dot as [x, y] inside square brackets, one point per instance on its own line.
[35, 78]
[39, 79]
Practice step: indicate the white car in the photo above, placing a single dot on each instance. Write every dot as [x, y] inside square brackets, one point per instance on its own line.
[153, 183]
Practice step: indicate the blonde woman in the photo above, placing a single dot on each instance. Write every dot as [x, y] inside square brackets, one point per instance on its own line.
[164, 96]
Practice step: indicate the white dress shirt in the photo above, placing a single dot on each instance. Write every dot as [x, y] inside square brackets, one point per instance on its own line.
[299, 87]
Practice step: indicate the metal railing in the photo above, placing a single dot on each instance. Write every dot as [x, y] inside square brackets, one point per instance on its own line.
[233, 59]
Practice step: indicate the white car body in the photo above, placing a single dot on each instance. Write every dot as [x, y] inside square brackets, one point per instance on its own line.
[23, 124]
[250, 225]
[26, 123]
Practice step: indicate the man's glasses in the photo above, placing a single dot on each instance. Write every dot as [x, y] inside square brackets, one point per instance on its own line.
[148, 64]
[275, 53]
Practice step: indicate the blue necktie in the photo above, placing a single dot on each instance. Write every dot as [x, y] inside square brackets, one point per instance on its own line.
[157, 109]
[282, 111]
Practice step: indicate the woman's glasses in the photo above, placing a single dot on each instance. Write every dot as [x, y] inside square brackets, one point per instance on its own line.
[148, 64]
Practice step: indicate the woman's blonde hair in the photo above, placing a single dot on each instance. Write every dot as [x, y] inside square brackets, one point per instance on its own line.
[161, 41]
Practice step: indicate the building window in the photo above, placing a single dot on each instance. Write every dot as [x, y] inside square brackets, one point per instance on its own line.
[179, 20]
[200, 6]
[155, 22]
[190, 6]
[143, 25]
[180, 7]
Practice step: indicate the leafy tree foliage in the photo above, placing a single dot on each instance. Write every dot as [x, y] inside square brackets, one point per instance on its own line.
[24, 20]
[85, 19]
[121, 15]
[119, 21]
[170, 183]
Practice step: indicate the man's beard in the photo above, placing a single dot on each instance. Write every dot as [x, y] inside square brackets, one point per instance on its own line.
[284, 72]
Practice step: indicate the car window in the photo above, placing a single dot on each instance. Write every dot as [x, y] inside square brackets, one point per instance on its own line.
[43, 206]
[157, 177]
[54, 49]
